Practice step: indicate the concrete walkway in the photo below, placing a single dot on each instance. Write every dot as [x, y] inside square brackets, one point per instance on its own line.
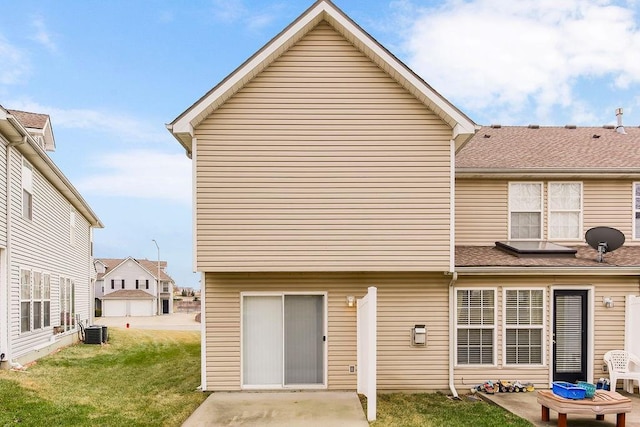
[167, 322]
[291, 409]
[525, 405]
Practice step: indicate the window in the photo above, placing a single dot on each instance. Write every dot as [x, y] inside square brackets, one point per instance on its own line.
[25, 300]
[46, 300]
[27, 190]
[475, 326]
[525, 210]
[67, 304]
[37, 300]
[636, 210]
[72, 226]
[524, 314]
[165, 287]
[565, 208]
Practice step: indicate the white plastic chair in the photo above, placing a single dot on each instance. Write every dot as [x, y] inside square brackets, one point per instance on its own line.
[619, 363]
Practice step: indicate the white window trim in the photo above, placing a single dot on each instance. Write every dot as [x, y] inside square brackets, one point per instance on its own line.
[494, 327]
[579, 237]
[542, 189]
[28, 187]
[505, 327]
[635, 211]
[30, 300]
[325, 383]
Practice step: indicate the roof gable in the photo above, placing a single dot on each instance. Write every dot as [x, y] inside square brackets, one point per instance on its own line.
[150, 267]
[323, 10]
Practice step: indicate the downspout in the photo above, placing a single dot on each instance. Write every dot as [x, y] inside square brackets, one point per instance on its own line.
[454, 277]
[9, 233]
[452, 261]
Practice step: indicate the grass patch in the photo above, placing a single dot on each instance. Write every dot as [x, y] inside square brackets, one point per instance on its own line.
[435, 409]
[141, 378]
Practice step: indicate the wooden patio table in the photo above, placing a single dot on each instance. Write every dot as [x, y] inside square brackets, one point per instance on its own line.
[603, 402]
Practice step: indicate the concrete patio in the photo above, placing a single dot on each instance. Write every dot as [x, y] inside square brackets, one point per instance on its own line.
[525, 405]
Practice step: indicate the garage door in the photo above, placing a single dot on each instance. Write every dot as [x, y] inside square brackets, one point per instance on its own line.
[141, 308]
[114, 308]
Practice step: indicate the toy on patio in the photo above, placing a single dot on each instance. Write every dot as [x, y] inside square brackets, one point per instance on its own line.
[502, 386]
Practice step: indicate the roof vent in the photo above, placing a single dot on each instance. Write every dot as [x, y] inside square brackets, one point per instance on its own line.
[595, 136]
[486, 135]
[570, 127]
[619, 127]
[534, 126]
[608, 127]
[494, 126]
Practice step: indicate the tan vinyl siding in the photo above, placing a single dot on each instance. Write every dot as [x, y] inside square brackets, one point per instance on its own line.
[609, 203]
[608, 323]
[482, 209]
[322, 162]
[404, 299]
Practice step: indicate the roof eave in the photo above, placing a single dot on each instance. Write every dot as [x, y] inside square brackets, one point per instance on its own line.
[547, 271]
[547, 172]
[31, 151]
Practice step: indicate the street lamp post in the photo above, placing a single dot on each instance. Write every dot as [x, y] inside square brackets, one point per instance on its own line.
[158, 279]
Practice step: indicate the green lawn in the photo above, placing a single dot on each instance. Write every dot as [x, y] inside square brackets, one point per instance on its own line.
[436, 409]
[141, 378]
[149, 378]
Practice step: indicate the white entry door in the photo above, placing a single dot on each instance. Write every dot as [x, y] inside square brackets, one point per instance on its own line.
[283, 341]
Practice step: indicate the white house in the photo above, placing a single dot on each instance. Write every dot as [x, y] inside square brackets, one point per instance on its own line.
[132, 287]
[46, 227]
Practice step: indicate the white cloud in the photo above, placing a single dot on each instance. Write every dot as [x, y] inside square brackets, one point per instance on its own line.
[41, 34]
[125, 127]
[145, 174]
[523, 56]
[233, 11]
[14, 65]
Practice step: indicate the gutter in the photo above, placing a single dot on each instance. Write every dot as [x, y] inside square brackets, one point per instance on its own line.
[452, 387]
[494, 173]
[551, 271]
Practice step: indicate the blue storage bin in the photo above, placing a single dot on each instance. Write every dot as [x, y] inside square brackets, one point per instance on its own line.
[568, 390]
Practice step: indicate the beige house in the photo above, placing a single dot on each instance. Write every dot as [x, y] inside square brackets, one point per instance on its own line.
[324, 166]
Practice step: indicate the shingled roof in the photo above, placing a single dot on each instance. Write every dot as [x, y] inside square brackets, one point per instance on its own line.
[578, 148]
[128, 294]
[30, 120]
[490, 256]
[151, 266]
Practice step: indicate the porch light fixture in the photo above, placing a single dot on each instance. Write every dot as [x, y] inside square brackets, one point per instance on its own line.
[351, 301]
[607, 302]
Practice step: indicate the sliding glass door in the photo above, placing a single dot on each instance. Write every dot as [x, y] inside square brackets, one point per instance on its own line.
[283, 340]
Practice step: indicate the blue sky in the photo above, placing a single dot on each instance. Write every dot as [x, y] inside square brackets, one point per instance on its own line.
[112, 73]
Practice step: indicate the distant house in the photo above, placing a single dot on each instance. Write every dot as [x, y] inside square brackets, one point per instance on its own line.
[132, 287]
[46, 289]
[324, 168]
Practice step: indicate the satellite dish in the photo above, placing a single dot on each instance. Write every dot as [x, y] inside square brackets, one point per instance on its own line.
[604, 239]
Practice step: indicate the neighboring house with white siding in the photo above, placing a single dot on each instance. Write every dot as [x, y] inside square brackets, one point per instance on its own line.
[46, 268]
[132, 287]
[324, 166]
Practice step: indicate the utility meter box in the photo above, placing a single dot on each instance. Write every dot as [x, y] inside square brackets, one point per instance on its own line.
[419, 336]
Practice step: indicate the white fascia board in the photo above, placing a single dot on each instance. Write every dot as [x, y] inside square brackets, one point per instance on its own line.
[547, 173]
[550, 271]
